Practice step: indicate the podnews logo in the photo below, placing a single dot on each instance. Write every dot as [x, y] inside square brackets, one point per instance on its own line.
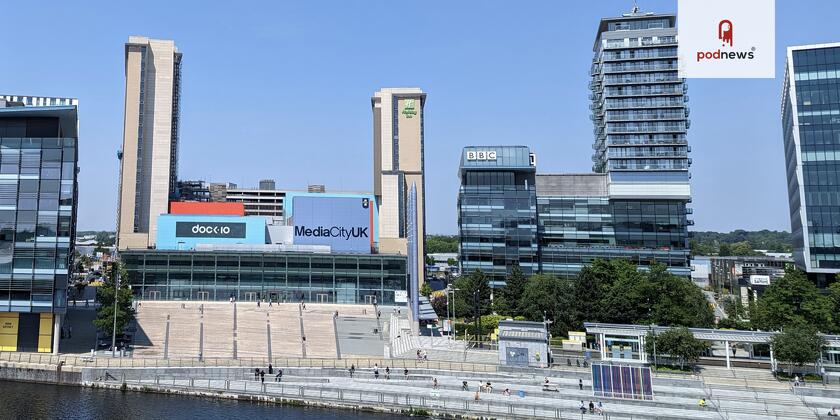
[725, 35]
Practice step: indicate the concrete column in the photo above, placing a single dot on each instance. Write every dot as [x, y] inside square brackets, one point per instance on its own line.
[603, 346]
[642, 352]
[772, 360]
[726, 344]
[56, 332]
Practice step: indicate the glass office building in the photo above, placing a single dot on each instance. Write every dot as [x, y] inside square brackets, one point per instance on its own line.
[811, 132]
[557, 224]
[38, 166]
[279, 276]
[497, 208]
[579, 223]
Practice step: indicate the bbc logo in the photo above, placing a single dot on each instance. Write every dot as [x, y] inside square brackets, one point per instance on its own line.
[481, 155]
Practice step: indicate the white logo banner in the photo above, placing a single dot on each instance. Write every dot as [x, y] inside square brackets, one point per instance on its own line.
[727, 38]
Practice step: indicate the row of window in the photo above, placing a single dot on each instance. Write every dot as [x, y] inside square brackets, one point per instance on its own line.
[816, 57]
[658, 114]
[659, 102]
[649, 65]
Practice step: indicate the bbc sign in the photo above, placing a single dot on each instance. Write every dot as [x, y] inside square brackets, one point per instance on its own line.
[209, 230]
[481, 155]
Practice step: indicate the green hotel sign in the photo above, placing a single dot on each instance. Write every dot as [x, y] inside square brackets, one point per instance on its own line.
[408, 108]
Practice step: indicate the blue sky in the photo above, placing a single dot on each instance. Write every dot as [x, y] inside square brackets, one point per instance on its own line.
[281, 90]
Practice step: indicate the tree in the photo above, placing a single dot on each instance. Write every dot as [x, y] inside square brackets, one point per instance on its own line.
[475, 283]
[436, 244]
[793, 299]
[549, 297]
[725, 250]
[438, 302]
[834, 295]
[743, 249]
[797, 344]
[592, 288]
[426, 289]
[678, 300]
[105, 295]
[430, 260]
[509, 297]
[452, 262]
[678, 343]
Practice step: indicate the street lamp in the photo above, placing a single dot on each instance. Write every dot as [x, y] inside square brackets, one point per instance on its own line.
[450, 289]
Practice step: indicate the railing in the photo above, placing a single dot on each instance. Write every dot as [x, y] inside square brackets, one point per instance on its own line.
[432, 402]
[343, 363]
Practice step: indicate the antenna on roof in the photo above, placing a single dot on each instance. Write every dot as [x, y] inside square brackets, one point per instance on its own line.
[635, 7]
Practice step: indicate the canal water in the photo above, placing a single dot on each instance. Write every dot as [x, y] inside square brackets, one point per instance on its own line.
[21, 400]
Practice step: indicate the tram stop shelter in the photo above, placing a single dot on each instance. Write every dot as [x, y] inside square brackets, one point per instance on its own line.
[626, 342]
[523, 343]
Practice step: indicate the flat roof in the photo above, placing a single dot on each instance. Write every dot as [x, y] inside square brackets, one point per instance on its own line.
[66, 114]
[708, 334]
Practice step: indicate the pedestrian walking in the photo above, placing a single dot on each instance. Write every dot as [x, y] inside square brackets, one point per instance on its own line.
[279, 376]
[256, 374]
[580, 384]
[582, 407]
[405, 373]
[591, 407]
[434, 383]
[270, 369]
[464, 386]
[702, 403]
[418, 354]
[376, 373]
[262, 376]
[477, 397]
[600, 408]
[258, 303]
[269, 302]
[387, 372]
[352, 370]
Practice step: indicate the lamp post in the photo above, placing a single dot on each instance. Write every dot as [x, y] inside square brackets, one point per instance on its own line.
[450, 289]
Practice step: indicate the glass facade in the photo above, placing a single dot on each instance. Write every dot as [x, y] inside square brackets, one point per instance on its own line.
[247, 276]
[38, 158]
[638, 100]
[509, 215]
[811, 129]
[574, 231]
[497, 208]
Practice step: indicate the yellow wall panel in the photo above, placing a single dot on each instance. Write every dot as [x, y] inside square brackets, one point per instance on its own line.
[45, 333]
[9, 322]
[8, 342]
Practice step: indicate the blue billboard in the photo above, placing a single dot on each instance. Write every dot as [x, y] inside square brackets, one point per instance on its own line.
[185, 231]
[345, 223]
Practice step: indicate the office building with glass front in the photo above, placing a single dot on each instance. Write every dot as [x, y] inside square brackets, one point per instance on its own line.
[38, 166]
[278, 276]
[497, 206]
[510, 215]
[578, 222]
[811, 132]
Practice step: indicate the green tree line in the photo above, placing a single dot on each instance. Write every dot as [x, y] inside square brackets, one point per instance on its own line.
[606, 291]
[739, 242]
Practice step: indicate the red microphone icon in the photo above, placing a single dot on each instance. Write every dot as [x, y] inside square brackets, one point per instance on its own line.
[725, 31]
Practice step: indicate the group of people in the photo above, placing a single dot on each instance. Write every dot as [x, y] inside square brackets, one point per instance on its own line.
[421, 355]
[593, 408]
[352, 371]
[259, 374]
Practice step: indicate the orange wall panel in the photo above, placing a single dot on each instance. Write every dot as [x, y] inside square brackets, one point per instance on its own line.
[207, 208]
